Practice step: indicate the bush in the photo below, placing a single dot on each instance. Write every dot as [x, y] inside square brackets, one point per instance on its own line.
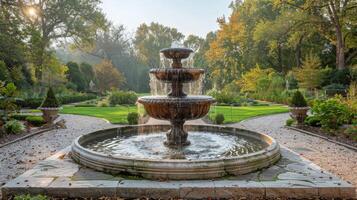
[122, 97]
[351, 132]
[133, 118]
[35, 120]
[223, 96]
[19, 117]
[332, 113]
[313, 121]
[103, 104]
[289, 122]
[334, 89]
[13, 127]
[219, 118]
[298, 100]
[29, 197]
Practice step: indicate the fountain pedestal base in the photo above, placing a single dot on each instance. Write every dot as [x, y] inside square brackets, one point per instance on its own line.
[177, 136]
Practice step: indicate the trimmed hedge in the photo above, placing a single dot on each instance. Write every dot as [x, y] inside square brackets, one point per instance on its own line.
[36, 102]
[35, 120]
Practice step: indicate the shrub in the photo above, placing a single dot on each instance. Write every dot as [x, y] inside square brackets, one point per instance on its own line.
[19, 117]
[351, 132]
[331, 112]
[35, 120]
[29, 197]
[133, 118]
[103, 104]
[13, 127]
[334, 89]
[50, 100]
[289, 122]
[298, 100]
[313, 121]
[122, 97]
[219, 118]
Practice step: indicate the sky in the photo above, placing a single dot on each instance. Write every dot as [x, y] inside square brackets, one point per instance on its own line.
[196, 17]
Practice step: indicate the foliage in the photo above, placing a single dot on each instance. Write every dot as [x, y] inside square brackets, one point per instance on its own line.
[331, 112]
[29, 197]
[7, 98]
[219, 118]
[13, 127]
[75, 75]
[133, 118]
[313, 121]
[150, 39]
[108, 77]
[222, 96]
[50, 100]
[351, 100]
[298, 100]
[352, 132]
[310, 75]
[122, 97]
[85, 105]
[289, 122]
[335, 88]
[35, 120]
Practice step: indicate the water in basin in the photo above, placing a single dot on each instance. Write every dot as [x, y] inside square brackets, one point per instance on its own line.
[204, 145]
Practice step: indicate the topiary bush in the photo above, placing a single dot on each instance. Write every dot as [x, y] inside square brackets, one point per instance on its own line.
[133, 118]
[298, 100]
[122, 97]
[14, 127]
[219, 118]
[50, 100]
[35, 120]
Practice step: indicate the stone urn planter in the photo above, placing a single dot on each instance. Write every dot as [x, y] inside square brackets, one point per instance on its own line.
[299, 114]
[49, 114]
[50, 107]
[298, 108]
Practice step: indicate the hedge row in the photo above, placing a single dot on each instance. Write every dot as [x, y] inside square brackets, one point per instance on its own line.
[36, 102]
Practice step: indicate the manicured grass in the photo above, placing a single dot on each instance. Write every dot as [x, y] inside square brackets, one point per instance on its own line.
[237, 114]
[117, 115]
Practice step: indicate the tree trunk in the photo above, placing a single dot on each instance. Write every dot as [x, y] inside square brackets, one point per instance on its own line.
[298, 52]
[340, 50]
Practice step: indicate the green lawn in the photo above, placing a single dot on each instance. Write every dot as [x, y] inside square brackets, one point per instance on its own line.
[117, 115]
[237, 114]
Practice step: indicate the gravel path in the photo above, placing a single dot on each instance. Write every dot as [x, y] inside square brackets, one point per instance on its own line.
[337, 159]
[18, 157]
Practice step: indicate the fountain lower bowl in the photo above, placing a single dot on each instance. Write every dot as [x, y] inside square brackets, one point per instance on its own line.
[170, 108]
[148, 163]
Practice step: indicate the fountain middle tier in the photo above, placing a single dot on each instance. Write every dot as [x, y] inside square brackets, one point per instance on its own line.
[181, 75]
[171, 108]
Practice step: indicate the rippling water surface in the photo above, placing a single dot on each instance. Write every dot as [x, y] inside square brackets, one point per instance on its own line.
[204, 145]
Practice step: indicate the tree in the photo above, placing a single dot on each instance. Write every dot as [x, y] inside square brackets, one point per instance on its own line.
[250, 80]
[75, 76]
[51, 21]
[150, 39]
[108, 76]
[87, 73]
[334, 19]
[309, 76]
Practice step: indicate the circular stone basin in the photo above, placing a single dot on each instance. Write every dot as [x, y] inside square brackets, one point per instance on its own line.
[182, 75]
[215, 151]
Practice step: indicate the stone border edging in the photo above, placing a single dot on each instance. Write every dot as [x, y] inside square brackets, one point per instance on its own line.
[322, 137]
[26, 136]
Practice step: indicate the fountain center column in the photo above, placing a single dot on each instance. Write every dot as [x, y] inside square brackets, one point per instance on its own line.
[177, 137]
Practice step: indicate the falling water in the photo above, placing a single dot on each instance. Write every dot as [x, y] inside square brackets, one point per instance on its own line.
[160, 88]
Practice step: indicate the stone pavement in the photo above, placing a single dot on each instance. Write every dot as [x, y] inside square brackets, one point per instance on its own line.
[292, 177]
[332, 157]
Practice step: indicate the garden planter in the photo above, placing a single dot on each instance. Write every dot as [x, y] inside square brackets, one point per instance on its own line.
[49, 114]
[299, 114]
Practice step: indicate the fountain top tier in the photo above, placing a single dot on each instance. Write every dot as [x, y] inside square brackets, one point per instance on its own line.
[176, 54]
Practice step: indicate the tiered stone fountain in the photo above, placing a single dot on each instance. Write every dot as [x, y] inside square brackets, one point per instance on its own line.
[189, 152]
